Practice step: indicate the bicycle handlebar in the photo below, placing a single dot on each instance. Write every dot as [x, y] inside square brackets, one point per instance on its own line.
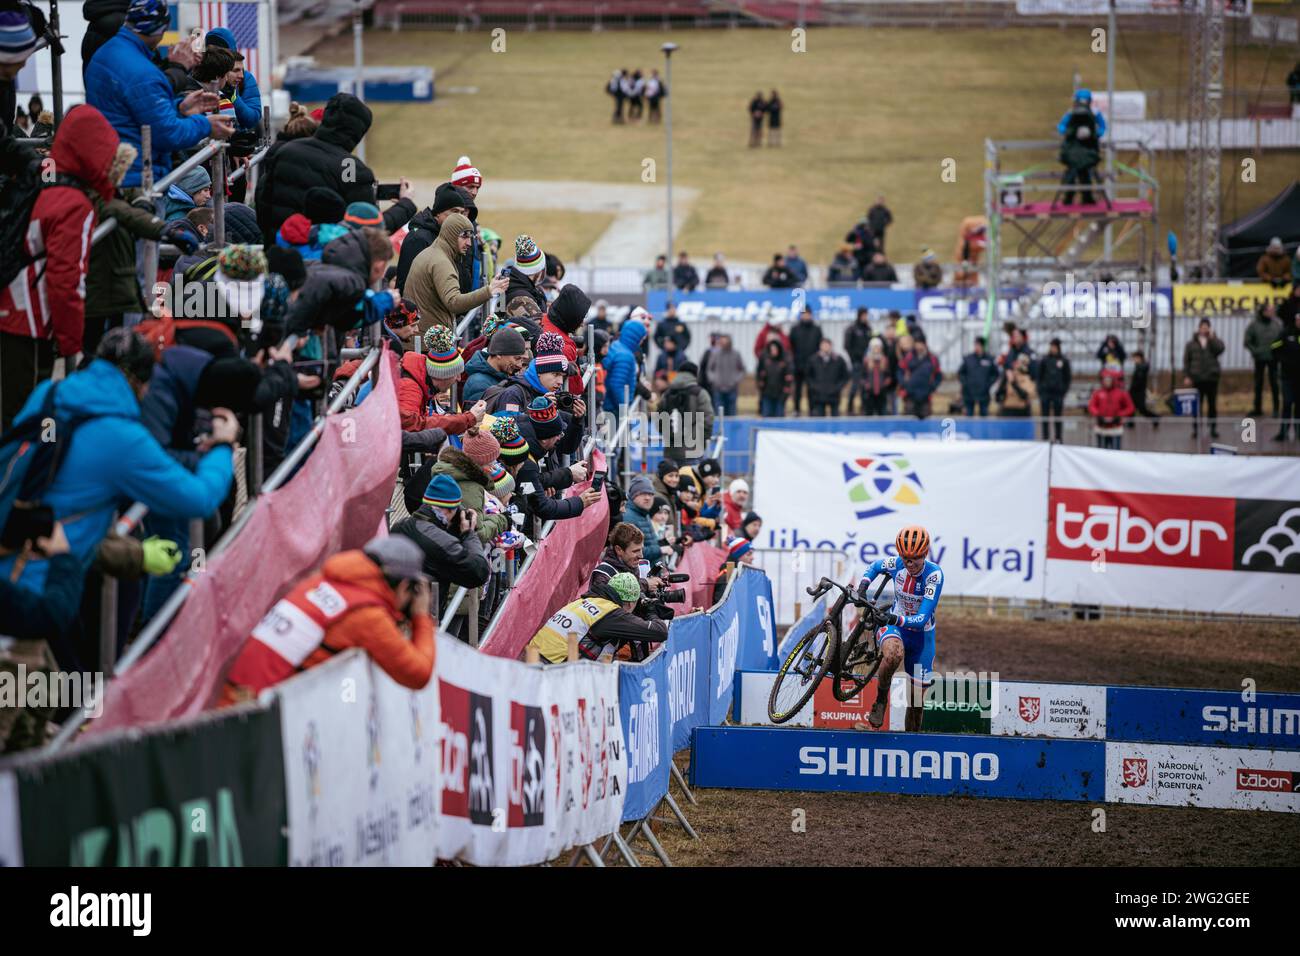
[854, 596]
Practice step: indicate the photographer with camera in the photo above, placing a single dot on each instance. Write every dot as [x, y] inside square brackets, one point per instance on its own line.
[602, 620]
[447, 534]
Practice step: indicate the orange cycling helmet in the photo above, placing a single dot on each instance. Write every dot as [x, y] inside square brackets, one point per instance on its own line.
[913, 542]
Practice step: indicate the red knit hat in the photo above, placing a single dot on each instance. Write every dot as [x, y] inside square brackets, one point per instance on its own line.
[465, 174]
[482, 447]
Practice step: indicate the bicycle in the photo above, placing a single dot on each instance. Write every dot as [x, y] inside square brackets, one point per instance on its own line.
[824, 649]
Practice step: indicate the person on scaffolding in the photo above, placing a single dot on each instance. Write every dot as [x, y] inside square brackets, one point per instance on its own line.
[1081, 129]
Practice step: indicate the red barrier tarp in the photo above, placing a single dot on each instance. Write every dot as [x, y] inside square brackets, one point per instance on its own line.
[336, 501]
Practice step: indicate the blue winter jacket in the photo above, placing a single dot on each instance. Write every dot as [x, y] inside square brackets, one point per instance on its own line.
[634, 515]
[481, 377]
[248, 100]
[168, 407]
[123, 83]
[621, 365]
[113, 459]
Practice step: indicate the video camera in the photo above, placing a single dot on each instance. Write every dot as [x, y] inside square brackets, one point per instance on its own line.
[656, 604]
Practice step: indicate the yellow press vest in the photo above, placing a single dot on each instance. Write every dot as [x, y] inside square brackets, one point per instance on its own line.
[572, 620]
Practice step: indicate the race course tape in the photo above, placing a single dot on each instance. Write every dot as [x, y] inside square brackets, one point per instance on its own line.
[774, 758]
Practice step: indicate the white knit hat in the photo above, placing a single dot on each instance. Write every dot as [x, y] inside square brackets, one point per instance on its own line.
[529, 258]
[740, 484]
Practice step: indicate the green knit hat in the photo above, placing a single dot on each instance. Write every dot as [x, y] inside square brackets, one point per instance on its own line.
[626, 586]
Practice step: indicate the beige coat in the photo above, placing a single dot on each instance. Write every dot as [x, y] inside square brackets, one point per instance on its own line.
[434, 281]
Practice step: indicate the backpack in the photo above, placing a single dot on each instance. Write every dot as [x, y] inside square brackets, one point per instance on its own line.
[29, 463]
[20, 184]
[678, 399]
[160, 332]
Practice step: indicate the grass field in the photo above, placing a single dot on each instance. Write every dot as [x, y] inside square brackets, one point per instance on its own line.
[866, 112]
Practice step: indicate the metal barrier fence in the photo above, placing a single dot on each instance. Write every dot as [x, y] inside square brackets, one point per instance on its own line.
[792, 571]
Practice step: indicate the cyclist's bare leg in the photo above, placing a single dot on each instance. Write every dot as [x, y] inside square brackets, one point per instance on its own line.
[915, 706]
[891, 655]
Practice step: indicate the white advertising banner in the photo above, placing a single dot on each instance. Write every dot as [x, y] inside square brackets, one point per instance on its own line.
[360, 763]
[1220, 777]
[1195, 532]
[984, 503]
[1049, 710]
[532, 757]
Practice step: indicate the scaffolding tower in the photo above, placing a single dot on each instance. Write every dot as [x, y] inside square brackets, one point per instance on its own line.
[1201, 188]
[1038, 245]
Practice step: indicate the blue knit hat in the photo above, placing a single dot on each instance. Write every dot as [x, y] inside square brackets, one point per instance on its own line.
[148, 17]
[17, 38]
[737, 548]
[442, 492]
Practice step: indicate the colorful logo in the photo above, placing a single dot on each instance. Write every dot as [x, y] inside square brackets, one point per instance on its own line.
[881, 484]
[1134, 772]
[1030, 707]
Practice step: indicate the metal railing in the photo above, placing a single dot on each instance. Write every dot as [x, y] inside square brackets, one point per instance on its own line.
[158, 624]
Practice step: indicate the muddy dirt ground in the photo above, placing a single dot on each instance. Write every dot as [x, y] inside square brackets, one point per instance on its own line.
[754, 828]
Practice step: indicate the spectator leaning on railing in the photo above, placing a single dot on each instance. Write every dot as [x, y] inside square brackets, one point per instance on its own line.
[450, 531]
[357, 599]
[124, 84]
[599, 621]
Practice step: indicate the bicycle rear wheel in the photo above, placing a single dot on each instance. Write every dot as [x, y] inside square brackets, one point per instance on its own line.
[801, 672]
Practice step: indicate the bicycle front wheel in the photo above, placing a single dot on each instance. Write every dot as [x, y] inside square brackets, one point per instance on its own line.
[860, 663]
[801, 672]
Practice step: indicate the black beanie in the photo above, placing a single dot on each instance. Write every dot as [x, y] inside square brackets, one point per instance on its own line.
[229, 382]
[287, 263]
[569, 309]
[447, 197]
[749, 516]
[667, 466]
[708, 468]
[322, 205]
[690, 367]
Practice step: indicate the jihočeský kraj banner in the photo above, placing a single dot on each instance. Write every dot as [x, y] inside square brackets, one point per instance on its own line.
[985, 503]
[1196, 532]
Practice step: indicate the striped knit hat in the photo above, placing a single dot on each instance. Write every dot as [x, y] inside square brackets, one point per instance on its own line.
[737, 548]
[550, 353]
[513, 446]
[148, 17]
[17, 38]
[363, 214]
[503, 483]
[529, 259]
[441, 357]
[465, 174]
[442, 492]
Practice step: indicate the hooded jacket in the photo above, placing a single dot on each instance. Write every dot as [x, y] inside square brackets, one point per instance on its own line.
[111, 283]
[621, 365]
[111, 458]
[512, 395]
[413, 396]
[334, 288]
[473, 484]
[1108, 405]
[424, 230]
[322, 159]
[565, 317]
[47, 299]
[370, 622]
[433, 283]
[480, 376]
[124, 83]
[522, 285]
[248, 98]
[1201, 363]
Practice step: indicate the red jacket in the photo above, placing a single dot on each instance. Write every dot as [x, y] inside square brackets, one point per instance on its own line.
[570, 352]
[1110, 403]
[732, 513]
[48, 298]
[413, 395]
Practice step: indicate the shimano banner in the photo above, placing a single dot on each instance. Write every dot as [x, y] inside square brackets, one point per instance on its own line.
[647, 726]
[689, 656]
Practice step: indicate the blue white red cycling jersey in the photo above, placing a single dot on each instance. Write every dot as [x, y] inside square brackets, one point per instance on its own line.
[915, 596]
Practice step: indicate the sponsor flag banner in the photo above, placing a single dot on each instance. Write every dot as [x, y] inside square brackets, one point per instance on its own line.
[1216, 300]
[647, 725]
[531, 757]
[208, 793]
[361, 767]
[1149, 529]
[334, 502]
[689, 647]
[777, 758]
[1050, 710]
[1175, 776]
[866, 490]
[1207, 717]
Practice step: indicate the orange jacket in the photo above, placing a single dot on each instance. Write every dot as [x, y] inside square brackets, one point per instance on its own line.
[413, 396]
[369, 621]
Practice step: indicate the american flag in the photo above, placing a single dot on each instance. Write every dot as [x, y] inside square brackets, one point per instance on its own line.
[241, 20]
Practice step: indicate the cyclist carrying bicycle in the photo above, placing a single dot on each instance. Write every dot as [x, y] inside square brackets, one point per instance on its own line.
[908, 635]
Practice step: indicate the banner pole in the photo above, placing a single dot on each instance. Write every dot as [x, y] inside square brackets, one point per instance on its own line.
[654, 843]
[681, 782]
[681, 817]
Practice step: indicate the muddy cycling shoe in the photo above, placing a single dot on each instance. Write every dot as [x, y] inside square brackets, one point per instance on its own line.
[877, 715]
